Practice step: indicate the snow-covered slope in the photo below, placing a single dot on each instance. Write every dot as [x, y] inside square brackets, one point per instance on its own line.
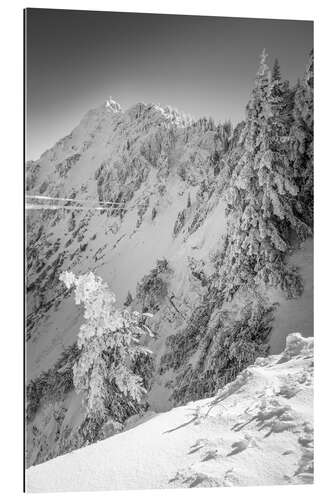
[257, 430]
[132, 158]
[154, 165]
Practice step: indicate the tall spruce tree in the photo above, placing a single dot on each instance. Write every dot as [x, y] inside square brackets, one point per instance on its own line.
[276, 73]
[301, 137]
[261, 193]
[276, 174]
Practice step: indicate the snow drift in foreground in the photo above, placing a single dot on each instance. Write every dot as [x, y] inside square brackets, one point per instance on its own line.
[257, 430]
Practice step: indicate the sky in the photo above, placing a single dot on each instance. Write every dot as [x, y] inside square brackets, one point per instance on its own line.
[203, 66]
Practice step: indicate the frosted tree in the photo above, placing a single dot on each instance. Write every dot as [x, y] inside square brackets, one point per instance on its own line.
[109, 341]
[261, 192]
[302, 142]
[275, 170]
[242, 250]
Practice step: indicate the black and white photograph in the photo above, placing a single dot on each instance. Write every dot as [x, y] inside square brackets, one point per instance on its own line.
[169, 233]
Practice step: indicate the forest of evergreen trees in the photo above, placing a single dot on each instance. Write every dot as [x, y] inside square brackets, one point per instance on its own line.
[269, 191]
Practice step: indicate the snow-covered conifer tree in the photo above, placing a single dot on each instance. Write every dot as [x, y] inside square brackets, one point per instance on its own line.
[109, 344]
[261, 192]
[302, 142]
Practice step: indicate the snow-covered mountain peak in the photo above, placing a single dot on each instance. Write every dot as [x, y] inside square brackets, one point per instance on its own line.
[158, 113]
[112, 105]
[180, 118]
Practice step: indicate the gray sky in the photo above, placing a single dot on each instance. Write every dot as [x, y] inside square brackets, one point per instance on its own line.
[203, 66]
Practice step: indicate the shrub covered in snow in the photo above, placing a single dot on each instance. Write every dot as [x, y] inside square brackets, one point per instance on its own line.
[179, 223]
[52, 384]
[153, 287]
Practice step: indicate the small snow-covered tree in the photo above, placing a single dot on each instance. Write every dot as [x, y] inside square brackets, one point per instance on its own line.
[128, 300]
[109, 341]
[189, 203]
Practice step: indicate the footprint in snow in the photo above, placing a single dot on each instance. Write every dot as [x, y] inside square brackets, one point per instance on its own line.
[230, 478]
[200, 443]
[193, 479]
[288, 391]
[210, 455]
[240, 446]
[280, 426]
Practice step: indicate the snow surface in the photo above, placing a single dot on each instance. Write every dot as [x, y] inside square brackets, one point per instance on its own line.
[257, 430]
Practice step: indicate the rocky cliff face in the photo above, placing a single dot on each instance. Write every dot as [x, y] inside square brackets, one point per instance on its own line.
[149, 217]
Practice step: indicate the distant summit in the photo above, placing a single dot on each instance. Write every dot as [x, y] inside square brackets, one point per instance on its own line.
[112, 105]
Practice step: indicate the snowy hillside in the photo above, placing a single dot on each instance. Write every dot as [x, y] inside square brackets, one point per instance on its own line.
[206, 227]
[146, 184]
[257, 430]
